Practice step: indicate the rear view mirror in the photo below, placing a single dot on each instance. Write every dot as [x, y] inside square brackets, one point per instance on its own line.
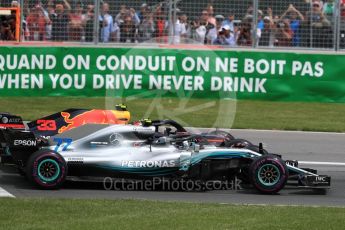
[162, 141]
[196, 148]
[185, 145]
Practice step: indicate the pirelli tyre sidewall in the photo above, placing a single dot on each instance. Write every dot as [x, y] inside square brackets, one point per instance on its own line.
[268, 174]
[56, 167]
[222, 133]
[238, 143]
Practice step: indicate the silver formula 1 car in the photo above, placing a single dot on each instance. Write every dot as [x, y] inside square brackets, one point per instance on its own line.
[133, 152]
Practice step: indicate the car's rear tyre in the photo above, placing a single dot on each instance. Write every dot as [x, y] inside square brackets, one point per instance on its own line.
[238, 143]
[269, 174]
[222, 133]
[46, 169]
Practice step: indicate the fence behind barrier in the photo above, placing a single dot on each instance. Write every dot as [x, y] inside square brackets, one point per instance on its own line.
[274, 24]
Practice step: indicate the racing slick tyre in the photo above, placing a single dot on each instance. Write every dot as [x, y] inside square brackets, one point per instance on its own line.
[222, 133]
[46, 169]
[268, 174]
[238, 143]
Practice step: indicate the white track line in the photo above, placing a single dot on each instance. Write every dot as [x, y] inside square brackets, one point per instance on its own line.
[4, 193]
[267, 131]
[321, 163]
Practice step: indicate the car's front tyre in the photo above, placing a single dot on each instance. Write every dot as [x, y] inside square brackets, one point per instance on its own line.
[269, 174]
[46, 169]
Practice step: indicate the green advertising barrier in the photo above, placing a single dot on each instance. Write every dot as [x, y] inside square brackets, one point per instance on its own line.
[152, 72]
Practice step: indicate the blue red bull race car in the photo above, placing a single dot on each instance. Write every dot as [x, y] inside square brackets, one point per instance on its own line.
[66, 120]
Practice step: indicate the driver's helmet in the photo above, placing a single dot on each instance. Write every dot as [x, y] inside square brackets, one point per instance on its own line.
[146, 122]
[121, 107]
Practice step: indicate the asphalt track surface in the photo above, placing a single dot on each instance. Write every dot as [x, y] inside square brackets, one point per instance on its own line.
[322, 151]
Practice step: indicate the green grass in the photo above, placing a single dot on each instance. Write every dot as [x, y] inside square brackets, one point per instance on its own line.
[130, 214]
[291, 116]
[199, 112]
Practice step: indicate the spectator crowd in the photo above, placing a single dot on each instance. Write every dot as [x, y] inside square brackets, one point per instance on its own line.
[71, 20]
